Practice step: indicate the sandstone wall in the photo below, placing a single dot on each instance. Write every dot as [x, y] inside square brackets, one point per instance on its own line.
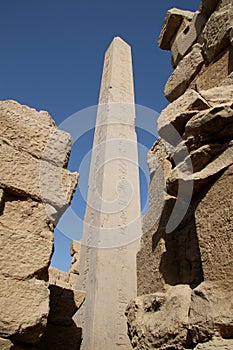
[35, 189]
[185, 267]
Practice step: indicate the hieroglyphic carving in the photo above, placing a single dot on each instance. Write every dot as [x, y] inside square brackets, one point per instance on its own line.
[112, 223]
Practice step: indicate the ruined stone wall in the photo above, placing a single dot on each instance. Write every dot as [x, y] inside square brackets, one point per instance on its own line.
[185, 265]
[35, 189]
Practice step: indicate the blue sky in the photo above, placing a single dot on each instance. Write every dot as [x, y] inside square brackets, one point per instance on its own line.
[52, 57]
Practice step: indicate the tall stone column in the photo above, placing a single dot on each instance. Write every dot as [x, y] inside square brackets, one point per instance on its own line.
[112, 224]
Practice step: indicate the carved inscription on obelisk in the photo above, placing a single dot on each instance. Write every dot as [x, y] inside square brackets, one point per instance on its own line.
[112, 224]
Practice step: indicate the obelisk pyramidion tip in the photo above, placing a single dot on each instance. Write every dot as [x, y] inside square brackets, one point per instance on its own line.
[118, 38]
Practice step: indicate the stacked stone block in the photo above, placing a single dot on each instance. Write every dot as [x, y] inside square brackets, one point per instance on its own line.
[185, 274]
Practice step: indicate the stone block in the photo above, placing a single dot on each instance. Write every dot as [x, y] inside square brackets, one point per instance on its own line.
[158, 319]
[57, 277]
[29, 114]
[217, 32]
[172, 22]
[75, 247]
[218, 95]
[211, 126]
[24, 175]
[169, 259]
[185, 39]
[23, 129]
[186, 70]
[73, 279]
[75, 267]
[210, 313]
[216, 72]
[201, 178]
[24, 308]
[179, 112]
[214, 225]
[159, 167]
[24, 230]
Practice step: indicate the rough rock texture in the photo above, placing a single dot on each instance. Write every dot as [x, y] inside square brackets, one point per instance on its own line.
[216, 344]
[187, 37]
[182, 318]
[216, 72]
[184, 73]
[185, 266]
[64, 279]
[172, 23]
[216, 32]
[61, 332]
[33, 183]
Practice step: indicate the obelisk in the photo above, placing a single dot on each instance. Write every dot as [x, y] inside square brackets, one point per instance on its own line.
[112, 224]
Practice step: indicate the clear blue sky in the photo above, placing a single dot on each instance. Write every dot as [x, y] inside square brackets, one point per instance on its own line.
[52, 57]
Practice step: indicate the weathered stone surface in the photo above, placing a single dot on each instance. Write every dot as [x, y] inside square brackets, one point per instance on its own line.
[210, 311]
[22, 174]
[216, 344]
[203, 155]
[180, 318]
[223, 3]
[29, 114]
[169, 259]
[216, 32]
[159, 167]
[228, 80]
[185, 39]
[61, 331]
[172, 22]
[214, 125]
[202, 177]
[73, 279]
[75, 250]
[217, 72]
[197, 252]
[24, 230]
[156, 317]
[179, 112]
[214, 225]
[24, 130]
[75, 247]
[5, 344]
[186, 70]
[24, 308]
[56, 276]
[218, 95]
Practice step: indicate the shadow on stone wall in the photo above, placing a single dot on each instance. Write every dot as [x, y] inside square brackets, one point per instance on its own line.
[61, 332]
